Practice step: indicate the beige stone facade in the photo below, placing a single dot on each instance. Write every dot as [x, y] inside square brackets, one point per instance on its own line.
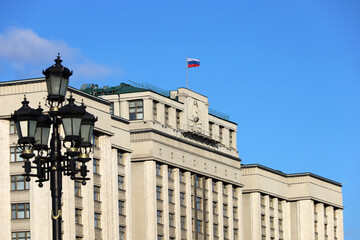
[163, 168]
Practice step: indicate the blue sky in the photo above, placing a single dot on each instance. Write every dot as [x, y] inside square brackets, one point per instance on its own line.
[288, 72]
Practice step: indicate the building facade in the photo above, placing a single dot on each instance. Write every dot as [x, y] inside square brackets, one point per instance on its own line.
[164, 167]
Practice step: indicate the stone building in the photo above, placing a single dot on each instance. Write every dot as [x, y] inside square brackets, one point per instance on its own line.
[164, 166]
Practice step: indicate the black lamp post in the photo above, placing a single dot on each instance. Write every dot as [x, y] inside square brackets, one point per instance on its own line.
[33, 129]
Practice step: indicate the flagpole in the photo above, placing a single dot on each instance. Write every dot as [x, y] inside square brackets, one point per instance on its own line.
[187, 73]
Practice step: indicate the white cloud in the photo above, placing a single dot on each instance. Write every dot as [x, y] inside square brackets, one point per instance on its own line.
[25, 51]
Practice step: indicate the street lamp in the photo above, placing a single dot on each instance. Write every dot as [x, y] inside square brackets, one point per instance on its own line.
[34, 127]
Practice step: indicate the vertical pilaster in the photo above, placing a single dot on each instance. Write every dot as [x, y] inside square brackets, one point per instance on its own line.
[5, 208]
[255, 215]
[220, 186]
[306, 216]
[148, 109]
[88, 204]
[276, 217]
[330, 222]
[114, 192]
[230, 211]
[68, 208]
[240, 225]
[165, 187]
[128, 196]
[339, 224]
[267, 216]
[187, 176]
[210, 209]
[286, 219]
[320, 220]
[177, 219]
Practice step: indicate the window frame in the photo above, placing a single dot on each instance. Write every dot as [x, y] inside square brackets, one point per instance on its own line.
[15, 182]
[15, 207]
[138, 109]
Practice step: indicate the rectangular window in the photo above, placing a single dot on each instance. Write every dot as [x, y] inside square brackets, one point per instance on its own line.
[18, 183]
[121, 182]
[234, 193]
[120, 158]
[158, 192]
[96, 193]
[226, 232]
[160, 237]
[15, 154]
[96, 166]
[170, 173]
[155, 107]
[183, 222]
[158, 169]
[171, 219]
[167, 114]
[78, 216]
[197, 181]
[20, 210]
[171, 195]
[159, 217]
[77, 188]
[122, 207]
[211, 125]
[224, 190]
[199, 203]
[235, 212]
[122, 233]
[112, 108]
[225, 209]
[20, 236]
[136, 110]
[199, 226]
[182, 198]
[12, 127]
[97, 220]
[215, 211]
[216, 230]
[235, 231]
[96, 141]
[231, 133]
[221, 133]
[214, 189]
[181, 177]
[177, 119]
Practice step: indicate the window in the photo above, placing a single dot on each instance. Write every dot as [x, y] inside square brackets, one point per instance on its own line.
[97, 220]
[121, 232]
[120, 158]
[198, 181]
[121, 182]
[231, 133]
[183, 222]
[199, 203]
[12, 128]
[112, 108]
[235, 212]
[170, 173]
[78, 216]
[181, 176]
[158, 192]
[171, 195]
[160, 237]
[216, 230]
[96, 166]
[226, 232]
[235, 231]
[19, 183]
[15, 154]
[215, 211]
[234, 193]
[77, 188]
[20, 236]
[122, 207]
[182, 198]
[159, 216]
[158, 169]
[171, 219]
[225, 208]
[221, 133]
[224, 190]
[155, 106]
[96, 141]
[20, 210]
[214, 189]
[211, 125]
[167, 114]
[199, 226]
[136, 110]
[96, 193]
[177, 119]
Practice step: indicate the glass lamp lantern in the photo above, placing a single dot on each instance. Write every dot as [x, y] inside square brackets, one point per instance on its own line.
[57, 81]
[86, 133]
[71, 116]
[25, 119]
[42, 131]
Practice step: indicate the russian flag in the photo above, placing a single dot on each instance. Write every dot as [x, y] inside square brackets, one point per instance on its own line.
[192, 62]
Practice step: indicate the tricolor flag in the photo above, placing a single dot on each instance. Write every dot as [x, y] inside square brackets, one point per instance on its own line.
[192, 62]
